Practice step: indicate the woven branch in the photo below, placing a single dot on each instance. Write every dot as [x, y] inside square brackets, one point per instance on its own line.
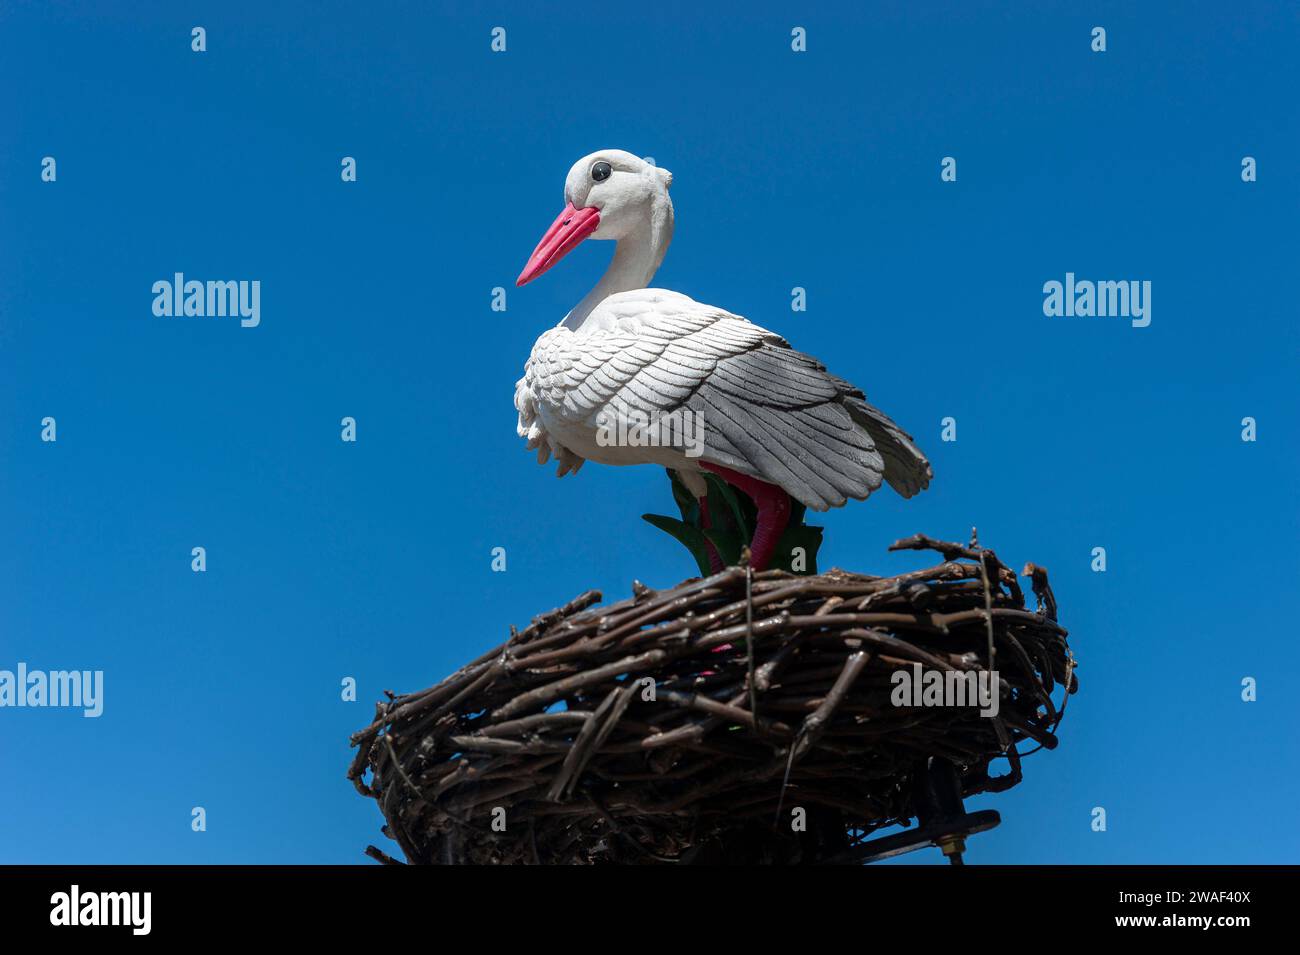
[695, 716]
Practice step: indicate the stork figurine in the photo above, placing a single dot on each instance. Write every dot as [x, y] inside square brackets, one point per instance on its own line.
[774, 422]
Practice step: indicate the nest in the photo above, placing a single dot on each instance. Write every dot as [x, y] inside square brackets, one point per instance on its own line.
[689, 724]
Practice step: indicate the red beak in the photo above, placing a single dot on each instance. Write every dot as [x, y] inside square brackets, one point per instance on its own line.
[570, 227]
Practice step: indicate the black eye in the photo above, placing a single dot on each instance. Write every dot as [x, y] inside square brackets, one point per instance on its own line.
[600, 171]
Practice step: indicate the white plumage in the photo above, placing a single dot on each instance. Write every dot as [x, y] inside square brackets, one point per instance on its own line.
[767, 411]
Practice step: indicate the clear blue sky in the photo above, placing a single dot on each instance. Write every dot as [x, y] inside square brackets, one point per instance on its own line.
[819, 170]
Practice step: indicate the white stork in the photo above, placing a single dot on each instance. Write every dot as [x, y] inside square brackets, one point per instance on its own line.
[776, 424]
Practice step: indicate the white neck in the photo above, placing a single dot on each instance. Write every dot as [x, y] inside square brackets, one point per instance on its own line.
[637, 257]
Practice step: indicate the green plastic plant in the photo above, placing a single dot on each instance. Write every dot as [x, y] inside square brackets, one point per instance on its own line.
[732, 518]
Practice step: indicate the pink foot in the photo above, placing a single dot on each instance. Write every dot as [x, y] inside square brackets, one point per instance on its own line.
[715, 562]
[773, 512]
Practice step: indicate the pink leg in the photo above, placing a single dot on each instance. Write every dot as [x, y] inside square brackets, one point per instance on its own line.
[715, 562]
[773, 512]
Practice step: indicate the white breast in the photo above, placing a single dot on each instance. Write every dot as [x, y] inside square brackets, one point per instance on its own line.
[636, 350]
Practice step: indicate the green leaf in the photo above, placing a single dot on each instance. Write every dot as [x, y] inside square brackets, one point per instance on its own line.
[733, 517]
[690, 537]
[720, 490]
[685, 500]
[798, 535]
[797, 510]
[727, 544]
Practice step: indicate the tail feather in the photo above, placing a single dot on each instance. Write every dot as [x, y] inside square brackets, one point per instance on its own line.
[906, 469]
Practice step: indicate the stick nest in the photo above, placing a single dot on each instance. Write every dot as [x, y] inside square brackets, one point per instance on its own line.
[651, 729]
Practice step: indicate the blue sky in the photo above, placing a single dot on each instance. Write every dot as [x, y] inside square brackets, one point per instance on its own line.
[819, 170]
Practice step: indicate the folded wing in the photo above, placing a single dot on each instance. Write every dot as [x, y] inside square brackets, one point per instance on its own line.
[766, 410]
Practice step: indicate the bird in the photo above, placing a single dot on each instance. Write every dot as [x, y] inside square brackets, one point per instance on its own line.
[774, 422]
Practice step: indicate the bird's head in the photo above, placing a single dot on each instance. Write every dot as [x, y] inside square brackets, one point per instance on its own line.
[609, 194]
